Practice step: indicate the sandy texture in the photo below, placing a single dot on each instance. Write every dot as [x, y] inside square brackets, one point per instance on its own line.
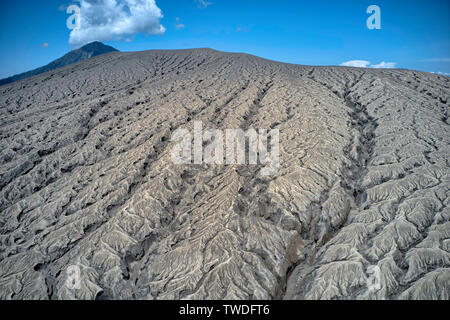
[86, 179]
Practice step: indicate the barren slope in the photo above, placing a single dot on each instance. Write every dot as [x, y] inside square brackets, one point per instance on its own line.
[87, 51]
[86, 179]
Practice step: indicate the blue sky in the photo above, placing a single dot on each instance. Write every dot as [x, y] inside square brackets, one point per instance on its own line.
[413, 34]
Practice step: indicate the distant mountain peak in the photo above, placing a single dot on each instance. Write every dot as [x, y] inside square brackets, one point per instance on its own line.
[87, 51]
[97, 46]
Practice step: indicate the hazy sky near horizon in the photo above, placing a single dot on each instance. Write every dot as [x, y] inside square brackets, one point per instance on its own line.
[413, 34]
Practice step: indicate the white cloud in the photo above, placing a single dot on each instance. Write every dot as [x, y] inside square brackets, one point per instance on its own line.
[366, 64]
[102, 20]
[44, 45]
[356, 63]
[203, 3]
[442, 73]
[384, 65]
[62, 7]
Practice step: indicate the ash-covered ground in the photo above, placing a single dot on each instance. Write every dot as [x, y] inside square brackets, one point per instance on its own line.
[87, 180]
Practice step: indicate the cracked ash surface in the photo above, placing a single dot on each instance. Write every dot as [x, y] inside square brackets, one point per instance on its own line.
[87, 179]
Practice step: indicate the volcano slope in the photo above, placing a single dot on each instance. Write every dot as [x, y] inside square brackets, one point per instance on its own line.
[87, 180]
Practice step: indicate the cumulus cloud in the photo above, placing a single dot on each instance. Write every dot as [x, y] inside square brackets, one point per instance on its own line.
[356, 63]
[366, 64]
[442, 73]
[102, 20]
[203, 3]
[44, 45]
[384, 65]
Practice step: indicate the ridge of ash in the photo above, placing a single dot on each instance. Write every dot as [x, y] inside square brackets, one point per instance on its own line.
[87, 180]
